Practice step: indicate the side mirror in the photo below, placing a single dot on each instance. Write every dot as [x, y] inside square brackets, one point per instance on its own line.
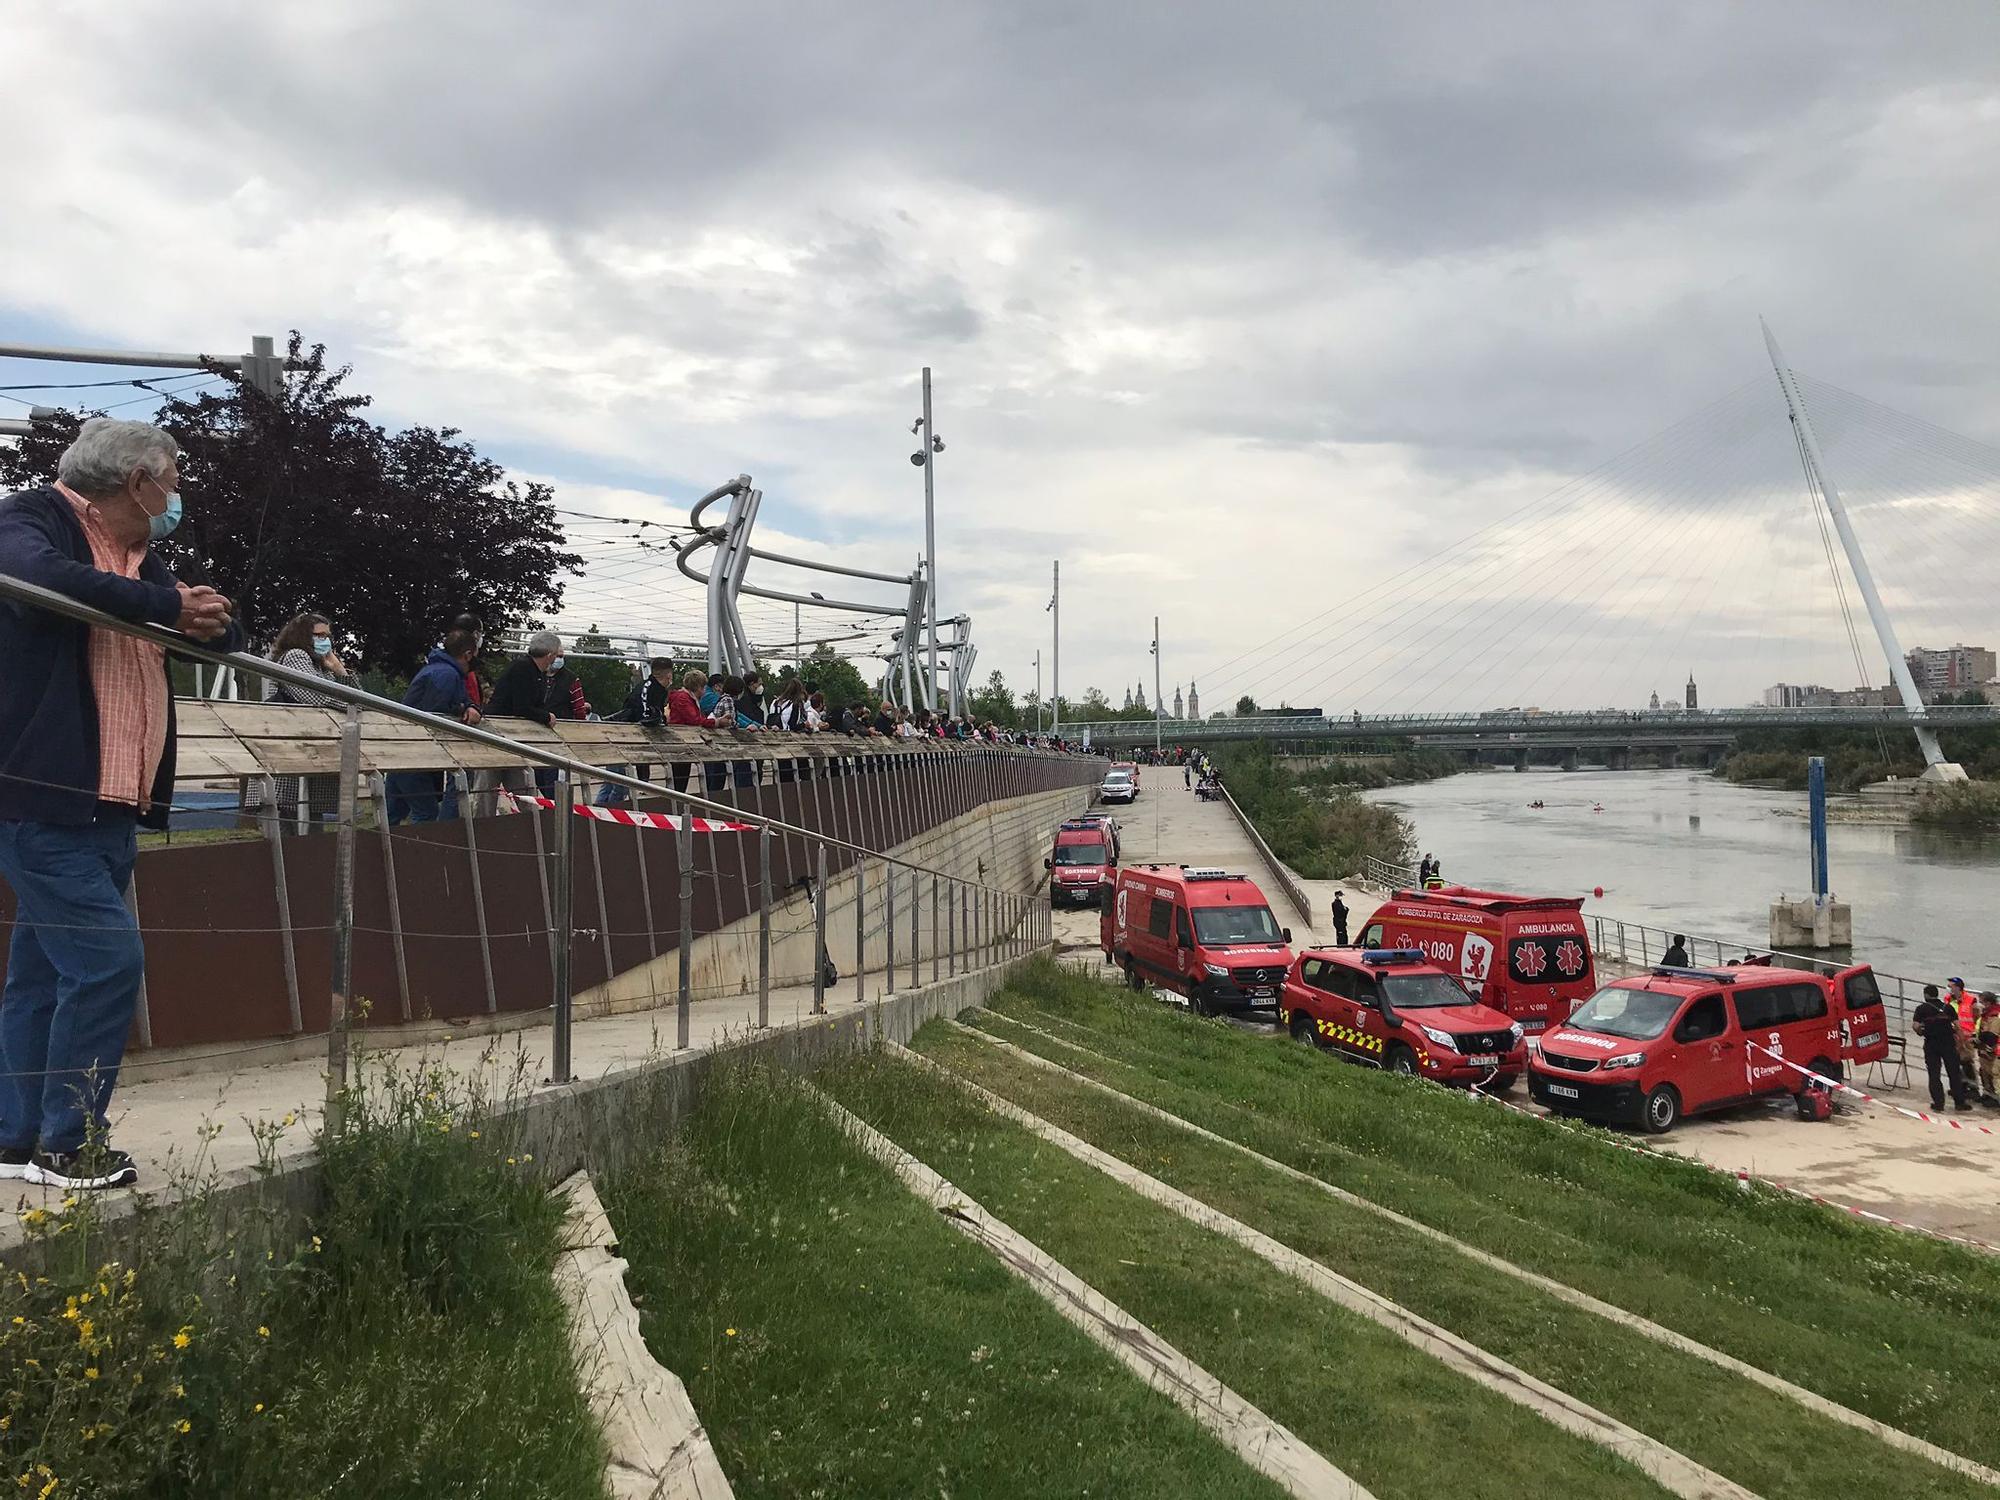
[1287, 934]
[1048, 864]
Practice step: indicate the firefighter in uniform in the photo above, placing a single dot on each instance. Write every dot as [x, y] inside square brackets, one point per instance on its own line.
[1937, 1024]
[1985, 1044]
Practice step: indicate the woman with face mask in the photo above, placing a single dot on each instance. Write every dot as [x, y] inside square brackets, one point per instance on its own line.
[305, 645]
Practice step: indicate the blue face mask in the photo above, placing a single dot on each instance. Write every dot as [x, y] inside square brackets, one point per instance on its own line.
[556, 665]
[160, 527]
[321, 645]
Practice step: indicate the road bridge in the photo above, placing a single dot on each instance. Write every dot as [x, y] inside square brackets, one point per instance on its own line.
[1523, 729]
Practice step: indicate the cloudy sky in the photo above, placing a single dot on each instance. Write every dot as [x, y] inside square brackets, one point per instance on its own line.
[1247, 313]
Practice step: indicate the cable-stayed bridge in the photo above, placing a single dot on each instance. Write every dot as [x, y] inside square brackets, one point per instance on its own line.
[1694, 550]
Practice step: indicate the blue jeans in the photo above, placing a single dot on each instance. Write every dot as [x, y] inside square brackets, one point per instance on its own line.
[413, 798]
[73, 977]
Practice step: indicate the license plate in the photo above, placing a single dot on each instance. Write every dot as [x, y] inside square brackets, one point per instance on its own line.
[1562, 1091]
[1483, 1060]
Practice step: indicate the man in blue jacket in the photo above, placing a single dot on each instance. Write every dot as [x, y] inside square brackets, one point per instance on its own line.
[86, 758]
[438, 688]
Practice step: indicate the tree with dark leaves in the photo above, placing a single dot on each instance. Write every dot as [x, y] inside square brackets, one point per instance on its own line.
[304, 504]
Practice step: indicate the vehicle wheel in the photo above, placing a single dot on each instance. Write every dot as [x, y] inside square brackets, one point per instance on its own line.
[1301, 1027]
[1132, 979]
[1825, 1068]
[1402, 1060]
[1662, 1110]
[1196, 1002]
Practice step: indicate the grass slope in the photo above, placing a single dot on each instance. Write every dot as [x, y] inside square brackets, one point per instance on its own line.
[1754, 1436]
[1893, 1325]
[413, 1345]
[1398, 1421]
[839, 1339]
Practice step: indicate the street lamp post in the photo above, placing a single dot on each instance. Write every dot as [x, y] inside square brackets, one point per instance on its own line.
[1159, 714]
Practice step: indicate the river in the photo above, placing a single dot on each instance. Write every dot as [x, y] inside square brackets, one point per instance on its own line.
[1687, 851]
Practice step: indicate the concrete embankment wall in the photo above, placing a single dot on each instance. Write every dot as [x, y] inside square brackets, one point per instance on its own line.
[1000, 845]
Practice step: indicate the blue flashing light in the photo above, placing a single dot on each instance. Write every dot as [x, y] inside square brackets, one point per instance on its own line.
[1393, 956]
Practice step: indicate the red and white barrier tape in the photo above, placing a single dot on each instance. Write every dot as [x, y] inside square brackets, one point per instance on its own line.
[633, 819]
[1746, 1178]
[1848, 1088]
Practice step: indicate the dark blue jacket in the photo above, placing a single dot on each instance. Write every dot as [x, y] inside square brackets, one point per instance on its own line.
[48, 711]
[438, 687]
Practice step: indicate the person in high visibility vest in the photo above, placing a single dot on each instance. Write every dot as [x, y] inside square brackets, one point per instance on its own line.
[1966, 1008]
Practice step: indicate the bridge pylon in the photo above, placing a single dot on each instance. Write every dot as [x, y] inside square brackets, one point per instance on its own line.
[1936, 767]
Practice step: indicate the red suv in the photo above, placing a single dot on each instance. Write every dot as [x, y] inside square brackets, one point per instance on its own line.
[1394, 1008]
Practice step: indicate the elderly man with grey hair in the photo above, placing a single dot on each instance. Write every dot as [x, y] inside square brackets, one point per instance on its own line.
[522, 693]
[86, 757]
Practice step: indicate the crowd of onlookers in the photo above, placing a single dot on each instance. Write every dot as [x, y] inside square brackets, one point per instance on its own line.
[539, 686]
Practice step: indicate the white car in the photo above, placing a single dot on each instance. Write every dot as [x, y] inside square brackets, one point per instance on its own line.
[1118, 786]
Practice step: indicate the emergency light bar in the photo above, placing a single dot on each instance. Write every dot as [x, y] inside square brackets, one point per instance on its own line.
[1385, 956]
[1718, 976]
[1204, 873]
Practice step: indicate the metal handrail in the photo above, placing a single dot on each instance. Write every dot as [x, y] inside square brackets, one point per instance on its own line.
[20, 591]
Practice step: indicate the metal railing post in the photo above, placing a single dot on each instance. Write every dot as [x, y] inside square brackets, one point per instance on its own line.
[382, 829]
[937, 949]
[916, 934]
[951, 932]
[274, 834]
[819, 936]
[684, 1000]
[965, 923]
[562, 919]
[889, 929]
[860, 929]
[144, 1015]
[764, 927]
[478, 892]
[338, 1018]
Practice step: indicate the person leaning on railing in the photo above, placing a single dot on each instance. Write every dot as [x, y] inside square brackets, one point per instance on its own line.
[521, 693]
[438, 688]
[86, 758]
[305, 644]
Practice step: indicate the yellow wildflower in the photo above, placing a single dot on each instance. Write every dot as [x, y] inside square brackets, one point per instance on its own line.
[263, 1332]
[90, 1372]
[181, 1339]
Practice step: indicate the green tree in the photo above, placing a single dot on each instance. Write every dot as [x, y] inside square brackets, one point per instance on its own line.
[833, 674]
[605, 683]
[1246, 707]
[995, 701]
[1094, 706]
[304, 504]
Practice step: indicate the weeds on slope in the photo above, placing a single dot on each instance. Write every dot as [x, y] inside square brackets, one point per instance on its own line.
[839, 1339]
[1890, 1324]
[412, 1344]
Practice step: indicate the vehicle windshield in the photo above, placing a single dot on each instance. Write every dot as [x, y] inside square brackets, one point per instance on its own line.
[1640, 1015]
[1422, 991]
[1215, 925]
[1079, 854]
[1117, 775]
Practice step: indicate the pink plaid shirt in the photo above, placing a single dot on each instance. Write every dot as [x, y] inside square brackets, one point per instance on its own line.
[127, 677]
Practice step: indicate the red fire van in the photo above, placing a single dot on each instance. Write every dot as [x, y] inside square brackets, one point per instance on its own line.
[1395, 1009]
[1527, 956]
[1651, 1049]
[1085, 849]
[1203, 933]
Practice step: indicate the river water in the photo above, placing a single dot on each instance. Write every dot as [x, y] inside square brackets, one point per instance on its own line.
[1689, 852]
